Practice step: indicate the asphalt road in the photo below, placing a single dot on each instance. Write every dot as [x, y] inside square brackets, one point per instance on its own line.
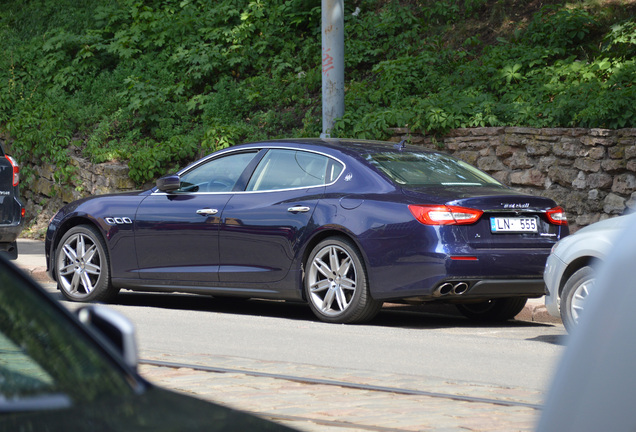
[428, 340]
[419, 344]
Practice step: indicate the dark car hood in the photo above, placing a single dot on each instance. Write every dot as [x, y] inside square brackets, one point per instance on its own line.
[482, 197]
[155, 410]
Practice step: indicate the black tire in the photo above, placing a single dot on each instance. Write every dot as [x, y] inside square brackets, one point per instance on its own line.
[82, 266]
[336, 283]
[495, 310]
[576, 289]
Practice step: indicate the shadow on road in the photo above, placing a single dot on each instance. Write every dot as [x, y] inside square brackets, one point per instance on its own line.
[556, 339]
[392, 315]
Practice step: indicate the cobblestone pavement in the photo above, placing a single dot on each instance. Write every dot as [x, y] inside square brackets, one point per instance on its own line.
[329, 408]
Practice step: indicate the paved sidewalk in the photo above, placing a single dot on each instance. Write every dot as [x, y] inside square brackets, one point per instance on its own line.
[330, 408]
[31, 259]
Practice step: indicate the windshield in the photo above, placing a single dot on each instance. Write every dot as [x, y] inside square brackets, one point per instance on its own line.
[429, 169]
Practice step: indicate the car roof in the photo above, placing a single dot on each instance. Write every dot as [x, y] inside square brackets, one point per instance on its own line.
[353, 147]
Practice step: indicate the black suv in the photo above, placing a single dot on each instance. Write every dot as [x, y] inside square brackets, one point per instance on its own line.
[11, 209]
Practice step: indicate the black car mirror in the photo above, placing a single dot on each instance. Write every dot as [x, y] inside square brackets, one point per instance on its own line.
[169, 183]
[115, 328]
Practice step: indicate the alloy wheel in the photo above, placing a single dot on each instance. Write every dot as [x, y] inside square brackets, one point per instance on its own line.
[332, 280]
[79, 265]
[82, 268]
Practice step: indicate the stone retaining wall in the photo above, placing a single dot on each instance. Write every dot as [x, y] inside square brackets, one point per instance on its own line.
[46, 195]
[590, 172]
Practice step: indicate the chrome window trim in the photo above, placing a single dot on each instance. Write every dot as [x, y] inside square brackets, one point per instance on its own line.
[213, 156]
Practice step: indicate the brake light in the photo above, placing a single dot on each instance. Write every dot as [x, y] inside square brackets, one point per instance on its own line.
[557, 216]
[464, 258]
[445, 214]
[16, 170]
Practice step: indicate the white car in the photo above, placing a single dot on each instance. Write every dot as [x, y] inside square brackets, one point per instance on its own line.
[570, 270]
[594, 385]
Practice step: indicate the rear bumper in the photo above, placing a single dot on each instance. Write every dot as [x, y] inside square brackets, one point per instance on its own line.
[484, 275]
[490, 288]
[10, 233]
[9, 250]
[8, 236]
[552, 276]
[466, 289]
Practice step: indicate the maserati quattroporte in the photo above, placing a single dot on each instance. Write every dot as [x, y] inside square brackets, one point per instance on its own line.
[343, 225]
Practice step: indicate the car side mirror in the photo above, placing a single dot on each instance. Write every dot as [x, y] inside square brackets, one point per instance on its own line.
[115, 328]
[169, 183]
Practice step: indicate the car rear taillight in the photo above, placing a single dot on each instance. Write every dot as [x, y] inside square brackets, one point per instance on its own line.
[445, 214]
[16, 170]
[557, 216]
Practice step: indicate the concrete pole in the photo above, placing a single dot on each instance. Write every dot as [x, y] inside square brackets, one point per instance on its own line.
[332, 63]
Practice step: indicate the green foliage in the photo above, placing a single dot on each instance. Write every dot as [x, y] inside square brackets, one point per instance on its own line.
[559, 28]
[158, 83]
[450, 11]
[567, 68]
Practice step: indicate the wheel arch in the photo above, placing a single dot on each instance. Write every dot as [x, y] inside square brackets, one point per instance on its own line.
[67, 225]
[322, 235]
[576, 265]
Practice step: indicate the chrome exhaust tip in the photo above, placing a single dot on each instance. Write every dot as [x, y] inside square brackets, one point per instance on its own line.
[443, 289]
[459, 288]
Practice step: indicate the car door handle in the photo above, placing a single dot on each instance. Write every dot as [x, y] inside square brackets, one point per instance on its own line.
[298, 209]
[207, 212]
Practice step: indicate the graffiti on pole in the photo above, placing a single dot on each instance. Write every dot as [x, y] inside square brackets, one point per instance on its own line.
[327, 61]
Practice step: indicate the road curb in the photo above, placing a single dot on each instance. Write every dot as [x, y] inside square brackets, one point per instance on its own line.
[38, 274]
[536, 311]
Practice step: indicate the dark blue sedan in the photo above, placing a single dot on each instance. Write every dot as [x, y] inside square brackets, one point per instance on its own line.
[343, 225]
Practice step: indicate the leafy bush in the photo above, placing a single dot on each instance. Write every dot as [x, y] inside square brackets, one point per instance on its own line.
[157, 83]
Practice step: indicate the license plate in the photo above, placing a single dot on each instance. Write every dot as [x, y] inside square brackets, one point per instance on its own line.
[513, 224]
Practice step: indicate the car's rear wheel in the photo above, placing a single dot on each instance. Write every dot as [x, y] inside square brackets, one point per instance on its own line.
[574, 293]
[501, 309]
[82, 267]
[336, 283]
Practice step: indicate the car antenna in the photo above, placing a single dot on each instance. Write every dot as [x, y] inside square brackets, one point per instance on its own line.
[400, 145]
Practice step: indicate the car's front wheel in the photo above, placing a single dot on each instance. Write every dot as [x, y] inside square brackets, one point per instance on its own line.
[336, 283]
[501, 309]
[574, 293]
[81, 266]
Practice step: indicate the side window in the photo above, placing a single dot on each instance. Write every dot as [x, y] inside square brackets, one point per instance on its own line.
[216, 175]
[288, 169]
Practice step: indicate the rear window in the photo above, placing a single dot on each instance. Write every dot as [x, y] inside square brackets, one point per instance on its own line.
[429, 169]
